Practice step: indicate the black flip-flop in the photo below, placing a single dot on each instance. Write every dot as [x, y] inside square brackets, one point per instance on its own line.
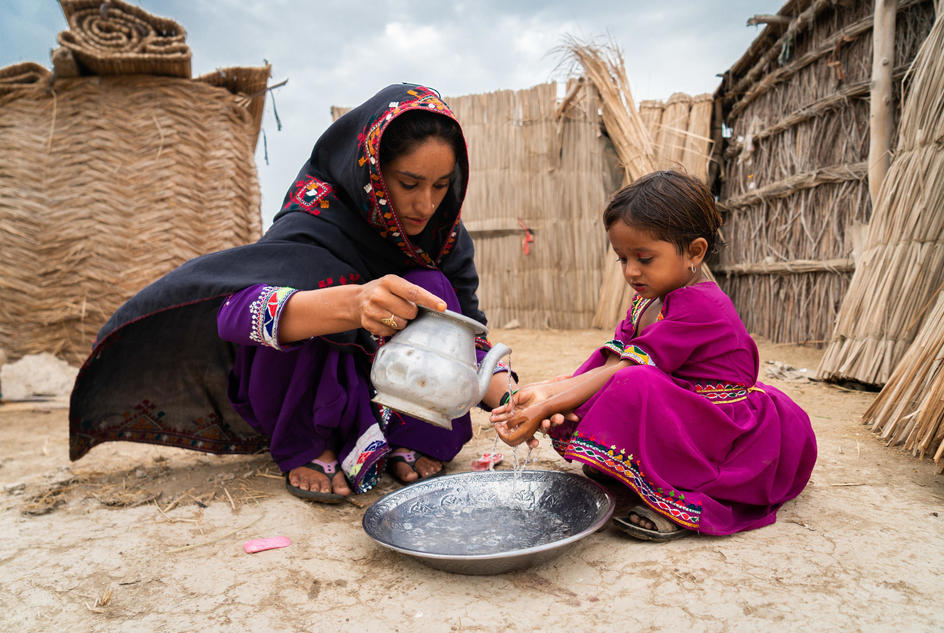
[409, 458]
[665, 530]
[328, 469]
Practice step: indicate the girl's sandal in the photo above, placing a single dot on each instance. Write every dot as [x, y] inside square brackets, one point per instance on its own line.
[665, 530]
[409, 458]
[328, 469]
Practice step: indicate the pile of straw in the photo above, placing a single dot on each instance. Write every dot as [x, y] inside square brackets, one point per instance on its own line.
[116, 38]
[902, 267]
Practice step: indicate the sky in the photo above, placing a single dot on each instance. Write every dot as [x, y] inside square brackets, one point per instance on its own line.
[340, 52]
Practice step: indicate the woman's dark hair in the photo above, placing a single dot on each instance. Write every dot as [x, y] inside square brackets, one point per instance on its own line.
[413, 127]
[670, 205]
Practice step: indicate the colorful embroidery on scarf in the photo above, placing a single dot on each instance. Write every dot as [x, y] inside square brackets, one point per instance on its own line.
[362, 464]
[724, 392]
[265, 312]
[310, 194]
[381, 214]
[481, 343]
[342, 280]
[629, 470]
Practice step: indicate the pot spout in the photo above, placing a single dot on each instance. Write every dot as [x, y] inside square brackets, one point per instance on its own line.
[498, 351]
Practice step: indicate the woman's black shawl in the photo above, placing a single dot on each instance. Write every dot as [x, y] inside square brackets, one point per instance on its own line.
[158, 371]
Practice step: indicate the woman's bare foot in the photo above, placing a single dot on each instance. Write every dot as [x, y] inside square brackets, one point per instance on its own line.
[410, 465]
[310, 479]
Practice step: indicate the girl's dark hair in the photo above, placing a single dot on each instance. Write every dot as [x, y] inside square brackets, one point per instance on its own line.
[670, 205]
[413, 127]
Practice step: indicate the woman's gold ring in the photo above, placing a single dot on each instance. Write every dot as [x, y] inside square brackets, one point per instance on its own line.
[391, 321]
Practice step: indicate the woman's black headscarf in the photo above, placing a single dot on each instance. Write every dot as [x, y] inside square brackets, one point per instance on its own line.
[158, 371]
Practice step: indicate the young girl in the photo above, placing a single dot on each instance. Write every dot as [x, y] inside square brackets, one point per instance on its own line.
[671, 407]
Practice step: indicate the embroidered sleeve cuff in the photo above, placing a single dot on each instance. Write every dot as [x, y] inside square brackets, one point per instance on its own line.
[636, 355]
[615, 346]
[265, 312]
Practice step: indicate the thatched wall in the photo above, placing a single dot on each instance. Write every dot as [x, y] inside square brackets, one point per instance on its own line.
[793, 182]
[106, 183]
[547, 169]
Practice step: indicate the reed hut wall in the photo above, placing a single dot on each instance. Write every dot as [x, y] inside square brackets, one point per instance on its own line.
[792, 141]
[542, 172]
[108, 182]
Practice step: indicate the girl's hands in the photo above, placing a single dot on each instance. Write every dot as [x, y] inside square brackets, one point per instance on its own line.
[384, 306]
[518, 420]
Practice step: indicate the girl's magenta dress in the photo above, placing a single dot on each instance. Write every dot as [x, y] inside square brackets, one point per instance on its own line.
[687, 426]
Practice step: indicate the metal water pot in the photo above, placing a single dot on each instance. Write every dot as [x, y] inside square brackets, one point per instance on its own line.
[428, 370]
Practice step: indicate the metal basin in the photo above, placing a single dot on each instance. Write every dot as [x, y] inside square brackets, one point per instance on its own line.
[489, 522]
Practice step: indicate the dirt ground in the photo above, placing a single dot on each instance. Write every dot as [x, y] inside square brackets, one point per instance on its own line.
[142, 538]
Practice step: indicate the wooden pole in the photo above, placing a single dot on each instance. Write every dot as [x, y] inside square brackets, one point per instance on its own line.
[881, 112]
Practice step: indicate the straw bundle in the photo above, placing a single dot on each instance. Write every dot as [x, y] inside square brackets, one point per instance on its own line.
[603, 66]
[19, 76]
[105, 184]
[902, 265]
[116, 38]
[910, 408]
[671, 137]
[698, 137]
[650, 111]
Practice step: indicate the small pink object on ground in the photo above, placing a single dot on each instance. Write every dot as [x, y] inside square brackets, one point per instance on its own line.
[262, 544]
[482, 463]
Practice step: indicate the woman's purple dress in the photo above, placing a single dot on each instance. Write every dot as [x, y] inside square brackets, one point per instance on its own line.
[687, 426]
[312, 396]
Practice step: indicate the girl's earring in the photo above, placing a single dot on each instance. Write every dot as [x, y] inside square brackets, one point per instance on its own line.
[692, 268]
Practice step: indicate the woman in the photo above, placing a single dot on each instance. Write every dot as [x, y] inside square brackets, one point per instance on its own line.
[270, 344]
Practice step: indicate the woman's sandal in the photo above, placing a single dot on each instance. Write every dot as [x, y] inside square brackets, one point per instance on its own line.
[665, 530]
[409, 458]
[328, 469]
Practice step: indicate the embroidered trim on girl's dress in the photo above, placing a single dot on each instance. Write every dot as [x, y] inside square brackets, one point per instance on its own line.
[362, 464]
[628, 470]
[632, 353]
[639, 306]
[265, 312]
[724, 392]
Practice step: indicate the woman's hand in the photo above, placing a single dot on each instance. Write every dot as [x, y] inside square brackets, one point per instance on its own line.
[384, 306]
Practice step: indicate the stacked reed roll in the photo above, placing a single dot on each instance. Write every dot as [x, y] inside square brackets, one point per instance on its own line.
[116, 38]
[19, 76]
